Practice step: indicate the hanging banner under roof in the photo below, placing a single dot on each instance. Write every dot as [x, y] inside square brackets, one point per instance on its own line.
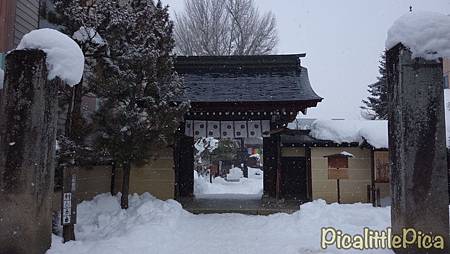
[227, 129]
[240, 129]
[199, 129]
[213, 129]
[265, 128]
[254, 129]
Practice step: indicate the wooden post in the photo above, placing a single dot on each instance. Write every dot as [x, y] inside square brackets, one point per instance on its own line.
[69, 204]
[113, 179]
[279, 169]
[417, 147]
[338, 191]
[28, 117]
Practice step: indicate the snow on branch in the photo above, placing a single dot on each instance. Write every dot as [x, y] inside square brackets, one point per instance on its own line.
[64, 57]
[426, 34]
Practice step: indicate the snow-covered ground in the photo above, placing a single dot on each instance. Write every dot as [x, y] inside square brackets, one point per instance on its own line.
[163, 227]
[251, 186]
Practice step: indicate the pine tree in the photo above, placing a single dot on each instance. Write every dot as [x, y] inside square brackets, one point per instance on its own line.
[138, 86]
[81, 21]
[376, 105]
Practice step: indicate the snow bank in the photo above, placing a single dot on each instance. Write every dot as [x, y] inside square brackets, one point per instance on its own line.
[64, 57]
[2, 77]
[235, 174]
[154, 226]
[426, 34]
[375, 132]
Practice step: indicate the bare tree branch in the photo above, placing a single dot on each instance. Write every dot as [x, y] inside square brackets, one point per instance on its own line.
[224, 27]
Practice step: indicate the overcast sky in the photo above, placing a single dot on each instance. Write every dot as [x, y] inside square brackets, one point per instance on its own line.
[343, 41]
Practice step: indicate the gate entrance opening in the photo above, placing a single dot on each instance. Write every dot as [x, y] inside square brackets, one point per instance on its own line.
[238, 98]
[230, 168]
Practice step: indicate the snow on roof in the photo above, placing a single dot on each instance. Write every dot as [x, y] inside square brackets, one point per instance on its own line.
[426, 34]
[2, 77]
[64, 57]
[375, 132]
[345, 153]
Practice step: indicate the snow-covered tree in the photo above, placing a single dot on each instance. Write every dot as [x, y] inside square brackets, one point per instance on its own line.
[225, 27]
[376, 105]
[138, 86]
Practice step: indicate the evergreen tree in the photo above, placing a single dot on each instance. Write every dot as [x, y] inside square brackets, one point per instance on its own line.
[79, 20]
[376, 105]
[138, 86]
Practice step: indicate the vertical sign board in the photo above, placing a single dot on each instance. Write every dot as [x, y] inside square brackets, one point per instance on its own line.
[338, 170]
[69, 202]
[381, 166]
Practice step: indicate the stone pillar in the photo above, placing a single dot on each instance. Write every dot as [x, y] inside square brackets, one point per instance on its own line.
[417, 147]
[28, 116]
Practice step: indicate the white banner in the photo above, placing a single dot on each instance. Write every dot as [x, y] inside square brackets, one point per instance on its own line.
[254, 129]
[265, 124]
[240, 129]
[214, 129]
[227, 129]
[199, 129]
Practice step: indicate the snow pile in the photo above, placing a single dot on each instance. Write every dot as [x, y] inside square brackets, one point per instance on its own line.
[88, 35]
[426, 34]
[2, 77]
[235, 174]
[64, 57]
[375, 132]
[253, 185]
[103, 218]
[153, 226]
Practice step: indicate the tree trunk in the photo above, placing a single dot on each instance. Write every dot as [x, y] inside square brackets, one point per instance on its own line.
[28, 117]
[74, 109]
[113, 179]
[125, 184]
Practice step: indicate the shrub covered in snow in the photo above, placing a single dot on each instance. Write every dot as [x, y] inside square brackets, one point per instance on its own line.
[426, 34]
[64, 57]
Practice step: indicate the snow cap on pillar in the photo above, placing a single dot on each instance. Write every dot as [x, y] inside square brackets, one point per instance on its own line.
[65, 58]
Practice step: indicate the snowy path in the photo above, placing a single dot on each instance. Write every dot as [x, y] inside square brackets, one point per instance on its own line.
[252, 186]
[160, 227]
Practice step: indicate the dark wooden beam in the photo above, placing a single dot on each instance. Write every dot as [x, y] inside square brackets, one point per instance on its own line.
[7, 21]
